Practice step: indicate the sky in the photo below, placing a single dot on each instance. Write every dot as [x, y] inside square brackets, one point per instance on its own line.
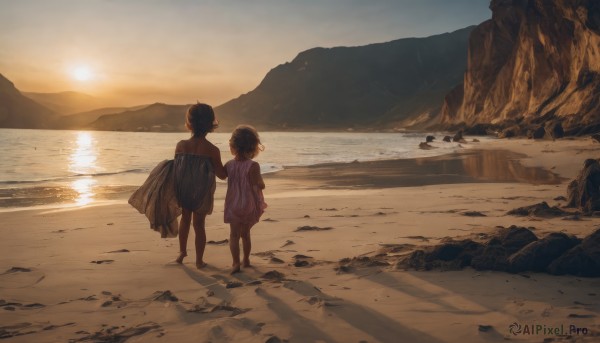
[132, 52]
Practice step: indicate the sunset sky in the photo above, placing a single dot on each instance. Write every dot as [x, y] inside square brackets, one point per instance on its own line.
[140, 51]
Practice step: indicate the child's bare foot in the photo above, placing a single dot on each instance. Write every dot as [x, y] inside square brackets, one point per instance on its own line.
[247, 264]
[235, 269]
[200, 264]
[182, 255]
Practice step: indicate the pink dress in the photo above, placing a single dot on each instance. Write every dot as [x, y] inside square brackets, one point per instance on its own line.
[244, 202]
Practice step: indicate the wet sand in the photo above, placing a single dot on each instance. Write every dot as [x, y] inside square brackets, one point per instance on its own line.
[99, 273]
[471, 166]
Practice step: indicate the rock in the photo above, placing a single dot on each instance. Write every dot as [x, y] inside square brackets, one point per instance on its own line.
[512, 131]
[425, 146]
[541, 209]
[452, 255]
[584, 192]
[458, 137]
[497, 250]
[537, 255]
[514, 237]
[536, 133]
[475, 140]
[493, 257]
[554, 129]
[447, 139]
[581, 260]
[429, 139]
[596, 137]
[531, 60]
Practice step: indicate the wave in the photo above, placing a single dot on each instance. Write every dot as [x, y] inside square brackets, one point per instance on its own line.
[73, 176]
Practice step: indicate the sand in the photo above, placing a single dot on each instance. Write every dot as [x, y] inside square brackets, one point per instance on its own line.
[98, 273]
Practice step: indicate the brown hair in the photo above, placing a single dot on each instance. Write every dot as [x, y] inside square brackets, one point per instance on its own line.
[245, 141]
[200, 119]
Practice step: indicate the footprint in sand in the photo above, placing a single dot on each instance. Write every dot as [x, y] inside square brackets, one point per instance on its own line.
[20, 277]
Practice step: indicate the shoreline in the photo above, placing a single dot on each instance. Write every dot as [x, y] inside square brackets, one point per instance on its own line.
[487, 161]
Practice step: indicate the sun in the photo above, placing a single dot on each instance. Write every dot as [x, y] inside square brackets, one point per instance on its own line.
[82, 73]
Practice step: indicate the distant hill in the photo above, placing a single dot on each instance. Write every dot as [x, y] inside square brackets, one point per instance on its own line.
[67, 102]
[155, 117]
[394, 84]
[84, 119]
[19, 111]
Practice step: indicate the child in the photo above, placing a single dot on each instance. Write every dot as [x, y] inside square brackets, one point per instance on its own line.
[244, 201]
[196, 163]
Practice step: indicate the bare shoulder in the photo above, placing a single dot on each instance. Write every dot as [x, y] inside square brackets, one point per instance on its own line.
[180, 147]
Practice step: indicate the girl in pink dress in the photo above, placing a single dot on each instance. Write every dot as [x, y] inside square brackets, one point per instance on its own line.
[244, 201]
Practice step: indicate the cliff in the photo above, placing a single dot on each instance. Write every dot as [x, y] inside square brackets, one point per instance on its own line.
[393, 84]
[534, 61]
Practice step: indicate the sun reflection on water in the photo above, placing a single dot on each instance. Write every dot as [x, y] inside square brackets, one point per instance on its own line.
[82, 163]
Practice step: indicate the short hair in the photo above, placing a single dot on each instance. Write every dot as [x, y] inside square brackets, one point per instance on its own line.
[200, 119]
[245, 141]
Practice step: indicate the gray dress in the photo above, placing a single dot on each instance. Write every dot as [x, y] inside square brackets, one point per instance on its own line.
[195, 182]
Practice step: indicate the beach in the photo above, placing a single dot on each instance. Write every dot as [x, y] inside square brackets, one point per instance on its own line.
[99, 273]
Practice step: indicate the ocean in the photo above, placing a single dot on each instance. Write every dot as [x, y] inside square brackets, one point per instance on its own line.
[76, 168]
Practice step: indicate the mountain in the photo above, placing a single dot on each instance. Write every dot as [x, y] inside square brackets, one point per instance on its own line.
[66, 102]
[155, 117]
[533, 62]
[19, 111]
[83, 119]
[398, 83]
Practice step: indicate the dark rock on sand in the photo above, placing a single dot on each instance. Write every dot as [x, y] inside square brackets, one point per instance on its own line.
[537, 255]
[582, 260]
[509, 132]
[537, 132]
[458, 137]
[554, 129]
[505, 243]
[584, 192]
[541, 209]
[425, 146]
[429, 139]
[451, 255]
[347, 265]
[447, 139]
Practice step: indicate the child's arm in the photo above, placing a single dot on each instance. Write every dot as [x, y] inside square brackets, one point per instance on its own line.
[220, 171]
[255, 177]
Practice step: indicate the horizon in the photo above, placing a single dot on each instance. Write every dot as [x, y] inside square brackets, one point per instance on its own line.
[98, 48]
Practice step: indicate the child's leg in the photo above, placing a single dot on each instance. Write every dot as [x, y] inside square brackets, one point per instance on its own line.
[234, 246]
[246, 244]
[199, 229]
[184, 231]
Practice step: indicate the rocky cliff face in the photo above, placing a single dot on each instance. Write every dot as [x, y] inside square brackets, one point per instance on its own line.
[534, 61]
[391, 84]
